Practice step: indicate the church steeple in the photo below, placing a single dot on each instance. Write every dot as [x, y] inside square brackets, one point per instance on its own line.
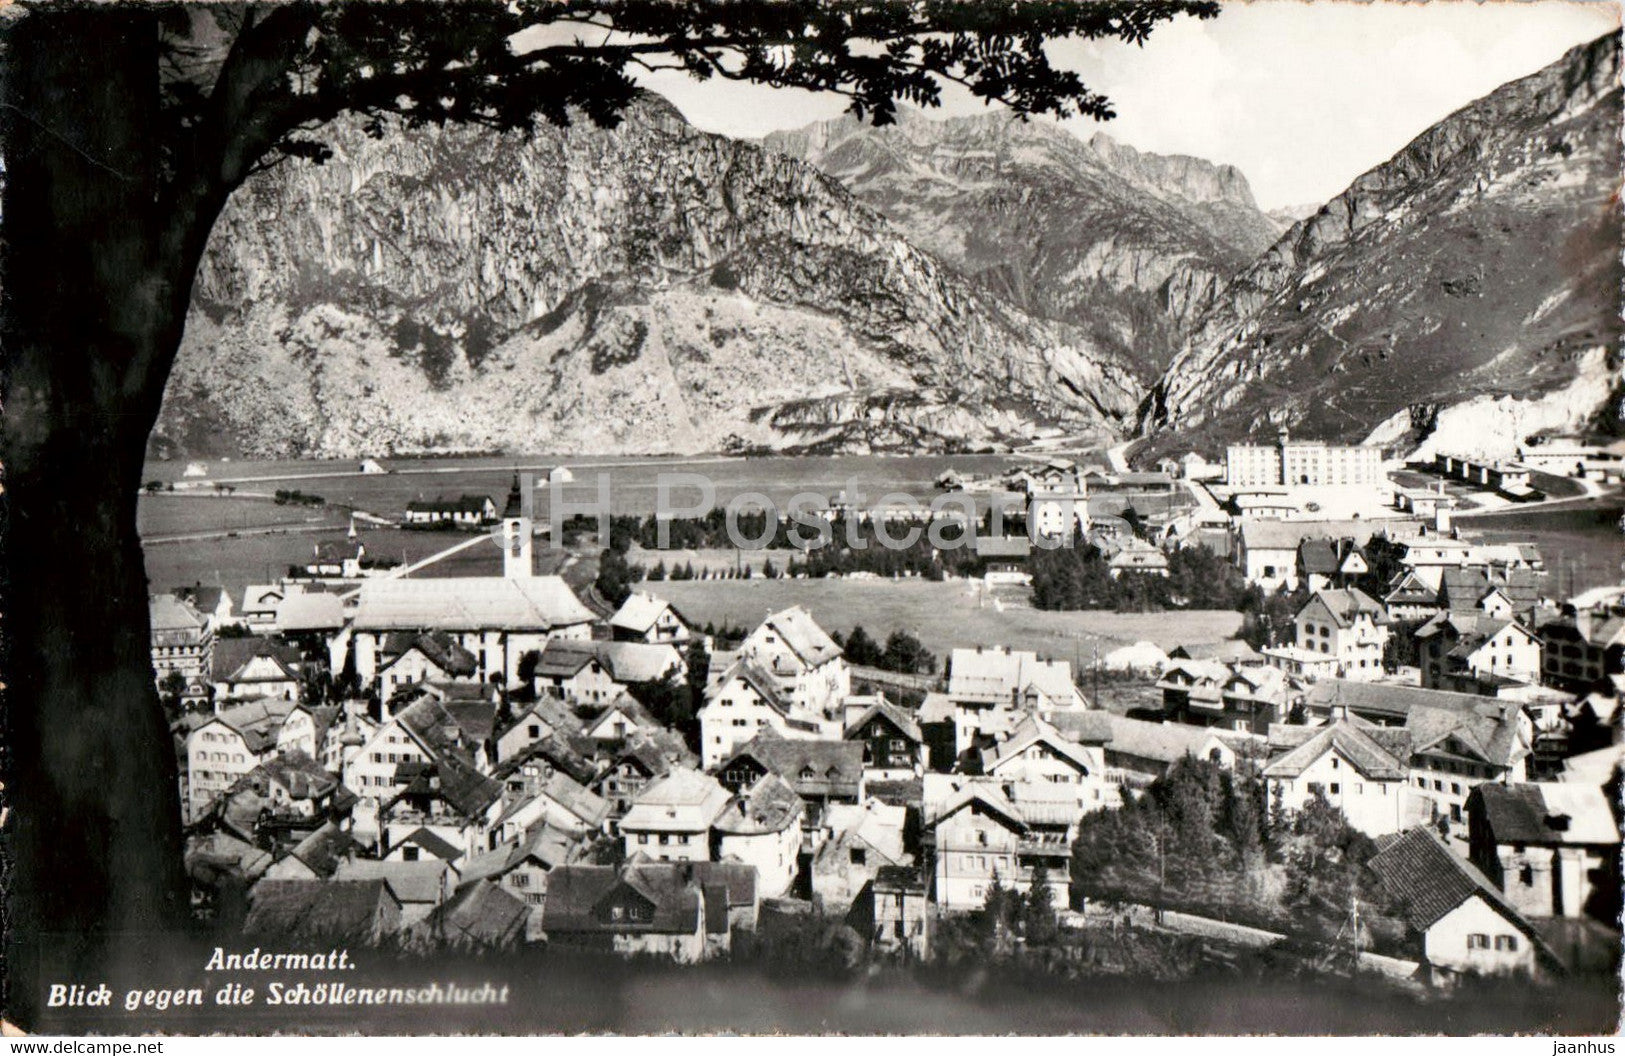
[516, 532]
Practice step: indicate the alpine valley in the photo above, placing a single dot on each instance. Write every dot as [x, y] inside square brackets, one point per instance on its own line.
[953, 285]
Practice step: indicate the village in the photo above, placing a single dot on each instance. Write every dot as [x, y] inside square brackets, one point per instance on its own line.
[490, 761]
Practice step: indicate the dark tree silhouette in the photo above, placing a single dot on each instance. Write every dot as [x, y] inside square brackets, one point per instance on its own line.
[127, 128]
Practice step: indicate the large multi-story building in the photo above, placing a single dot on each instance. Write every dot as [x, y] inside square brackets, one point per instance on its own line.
[1313, 462]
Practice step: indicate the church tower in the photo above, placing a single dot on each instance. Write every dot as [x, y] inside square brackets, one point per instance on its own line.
[516, 532]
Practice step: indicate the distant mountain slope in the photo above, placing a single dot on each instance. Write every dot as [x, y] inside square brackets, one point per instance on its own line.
[1094, 233]
[651, 288]
[1480, 262]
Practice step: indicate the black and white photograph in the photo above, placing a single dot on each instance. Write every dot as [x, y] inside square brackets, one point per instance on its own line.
[811, 517]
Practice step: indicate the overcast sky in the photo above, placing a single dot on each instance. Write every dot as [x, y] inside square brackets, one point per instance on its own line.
[1302, 97]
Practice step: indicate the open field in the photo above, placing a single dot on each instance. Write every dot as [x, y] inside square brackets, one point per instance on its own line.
[944, 615]
[633, 483]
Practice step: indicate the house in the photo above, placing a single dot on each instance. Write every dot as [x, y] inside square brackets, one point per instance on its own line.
[1058, 503]
[414, 658]
[643, 617]
[316, 857]
[445, 795]
[895, 905]
[337, 559]
[1041, 768]
[1348, 625]
[747, 700]
[980, 838]
[1583, 648]
[761, 827]
[1464, 925]
[556, 798]
[1409, 598]
[419, 886]
[466, 511]
[1324, 563]
[823, 773]
[810, 668]
[214, 604]
[182, 642]
[315, 614]
[664, 909]
[863, 839]
[641, 762]
[1138, 557]
[254, 668]
[1455, 749]
[893, 747]
[1431, 555]
[421, 845]
[1241, 697]
[305, 731]
[590, 672]
[498, 619]
[523, 865]
[1003, 558]
[323, 912]
[1351, 764]
[547, 717]
[260, 604]
[1459, 647]
[1552, 848]
[478, 916]
[1139, 752]
[671, 819]
[227, 746]
[988, 688]
[1266, 551]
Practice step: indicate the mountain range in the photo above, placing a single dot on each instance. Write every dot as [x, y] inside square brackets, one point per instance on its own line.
[933, 285]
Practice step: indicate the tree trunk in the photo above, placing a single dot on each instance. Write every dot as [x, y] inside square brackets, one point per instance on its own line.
[90, 764]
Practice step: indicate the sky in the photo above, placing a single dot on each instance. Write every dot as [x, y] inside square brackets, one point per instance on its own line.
[1301, 97]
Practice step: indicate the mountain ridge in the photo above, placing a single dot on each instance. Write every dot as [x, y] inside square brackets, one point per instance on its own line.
[1439, 256]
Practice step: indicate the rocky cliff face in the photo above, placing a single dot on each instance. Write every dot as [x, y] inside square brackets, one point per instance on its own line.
[1094, 233]
[1481, 261]
[647, 289]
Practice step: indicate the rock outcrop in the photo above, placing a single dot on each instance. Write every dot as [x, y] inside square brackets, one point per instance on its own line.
[1481, 261]
[650, 288]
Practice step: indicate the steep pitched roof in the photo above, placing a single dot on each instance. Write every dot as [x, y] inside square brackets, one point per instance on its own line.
[1548, 813]
[317, 910]
[900, 719]
[1164, 742]
[467, 603]
[576, 893]
[541, 843]
[801, 633]
[1488, 732]
[231, 655]
[478, 915]
[770, 805]
[639, 612]
[430, 842]
[1376, 753]
[1029, 731]
[421, 881]
[813, 768]
[169, 613]
[1382, 701]
[1346, 604]
[441, 650]
[1430, 882]
[685, 799]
